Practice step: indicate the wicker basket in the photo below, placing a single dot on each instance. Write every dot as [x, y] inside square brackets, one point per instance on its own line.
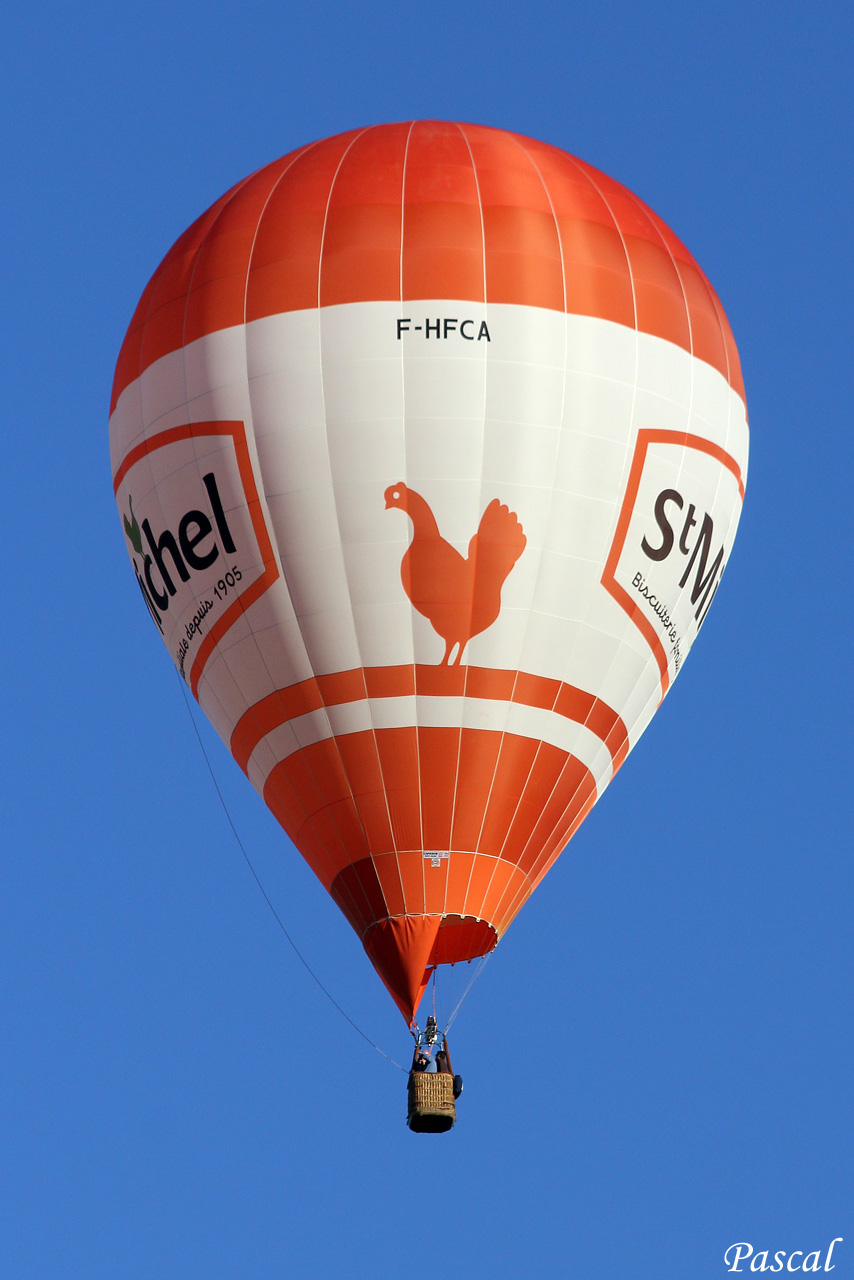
[431, 1102]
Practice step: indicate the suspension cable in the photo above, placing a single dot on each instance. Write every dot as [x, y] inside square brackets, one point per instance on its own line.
[266, 896]
[478, 971]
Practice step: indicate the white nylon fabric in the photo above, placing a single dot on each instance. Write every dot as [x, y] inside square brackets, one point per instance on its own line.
[545, 412]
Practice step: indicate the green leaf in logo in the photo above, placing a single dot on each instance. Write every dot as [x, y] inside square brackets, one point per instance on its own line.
[132, 528]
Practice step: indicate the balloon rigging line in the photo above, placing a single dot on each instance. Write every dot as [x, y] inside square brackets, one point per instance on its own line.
[266, 896]
[478, 971]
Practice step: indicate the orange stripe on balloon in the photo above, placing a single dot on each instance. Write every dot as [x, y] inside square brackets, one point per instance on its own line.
[438, 681]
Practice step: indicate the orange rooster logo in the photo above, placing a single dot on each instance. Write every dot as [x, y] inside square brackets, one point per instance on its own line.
[459, 598]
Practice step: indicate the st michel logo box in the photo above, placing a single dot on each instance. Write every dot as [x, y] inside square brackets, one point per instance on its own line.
[673, 538]
[196, 535]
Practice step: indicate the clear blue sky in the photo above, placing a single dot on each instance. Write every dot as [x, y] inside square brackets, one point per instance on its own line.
[669, 1073]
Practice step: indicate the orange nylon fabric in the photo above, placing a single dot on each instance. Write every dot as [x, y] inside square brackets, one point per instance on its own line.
[364, 807]
[424, 210]
[399, 950]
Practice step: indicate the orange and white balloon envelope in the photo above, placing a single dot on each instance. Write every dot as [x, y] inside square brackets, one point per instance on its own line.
[429, 443]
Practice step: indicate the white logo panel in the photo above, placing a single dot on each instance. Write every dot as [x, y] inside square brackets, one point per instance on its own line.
[674, 535]
[195, 535]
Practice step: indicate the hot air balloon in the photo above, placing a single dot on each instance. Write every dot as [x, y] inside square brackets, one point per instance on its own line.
[429, 444]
